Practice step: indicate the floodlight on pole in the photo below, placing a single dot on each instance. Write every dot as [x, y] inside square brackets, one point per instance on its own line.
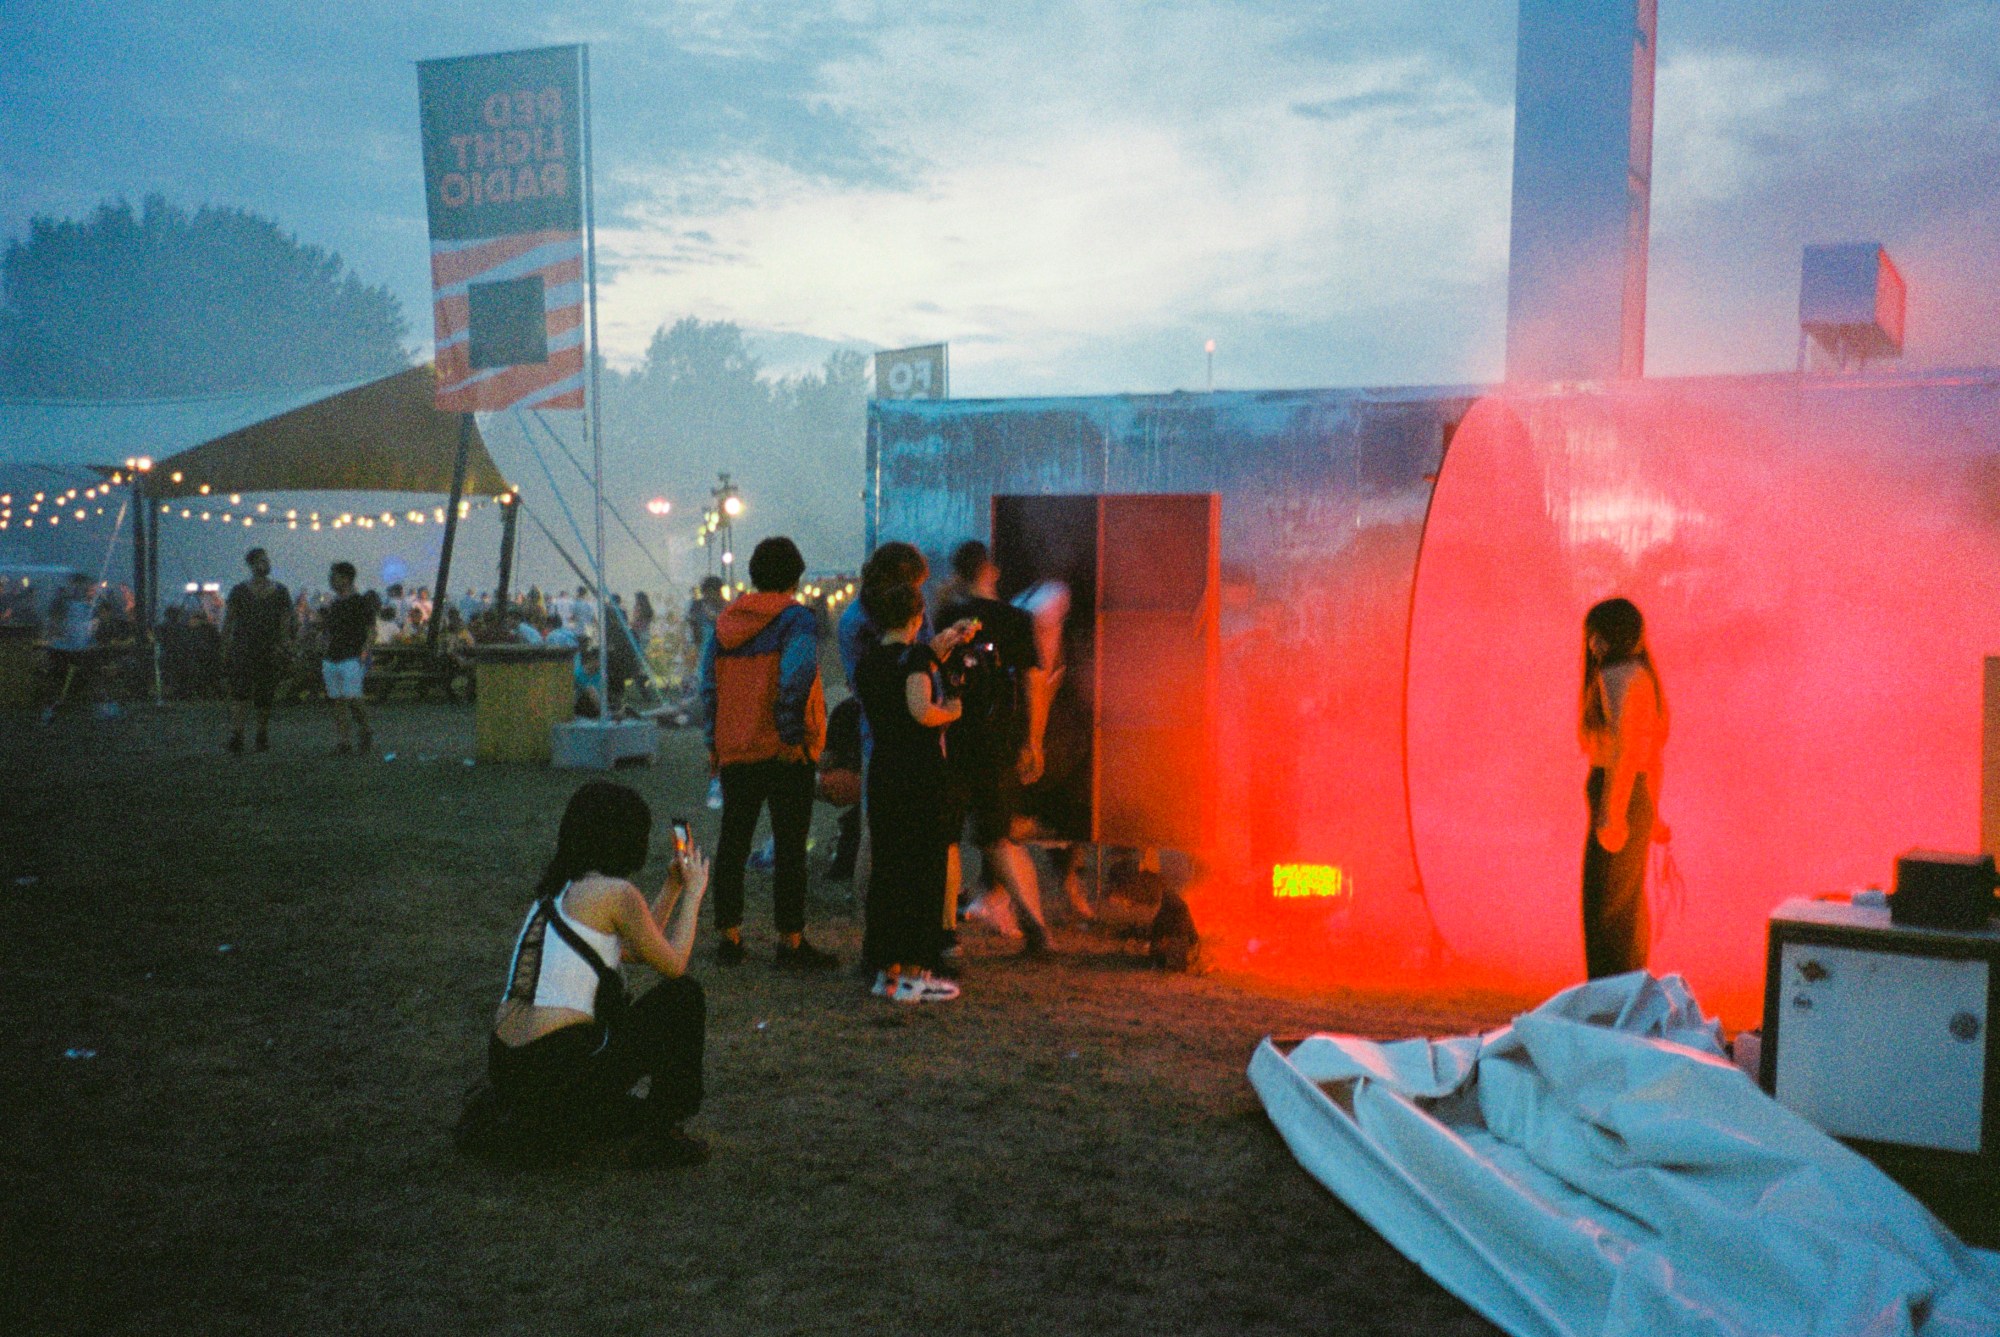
[659, 506]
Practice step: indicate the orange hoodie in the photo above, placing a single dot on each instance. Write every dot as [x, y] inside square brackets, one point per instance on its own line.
[760, 686]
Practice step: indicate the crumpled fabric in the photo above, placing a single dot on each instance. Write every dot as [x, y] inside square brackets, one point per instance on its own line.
[1599, 1167]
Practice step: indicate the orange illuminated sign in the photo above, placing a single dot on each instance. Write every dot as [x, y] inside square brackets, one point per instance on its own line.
[1295, 881]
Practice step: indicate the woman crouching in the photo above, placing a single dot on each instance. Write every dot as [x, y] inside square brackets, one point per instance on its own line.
[568, 1045]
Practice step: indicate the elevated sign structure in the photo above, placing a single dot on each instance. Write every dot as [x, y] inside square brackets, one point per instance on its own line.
[505, 179]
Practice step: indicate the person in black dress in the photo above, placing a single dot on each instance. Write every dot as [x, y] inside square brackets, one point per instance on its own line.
[909, 814]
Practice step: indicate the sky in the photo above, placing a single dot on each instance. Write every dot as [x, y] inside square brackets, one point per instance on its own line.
[1074, 195]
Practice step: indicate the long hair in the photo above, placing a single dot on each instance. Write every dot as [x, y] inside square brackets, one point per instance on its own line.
[1622, 628]
[607, 829]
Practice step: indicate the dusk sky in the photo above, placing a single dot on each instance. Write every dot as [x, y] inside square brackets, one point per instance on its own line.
[1075, 195]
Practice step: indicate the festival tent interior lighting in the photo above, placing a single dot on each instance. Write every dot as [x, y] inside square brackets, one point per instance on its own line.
[216, 459]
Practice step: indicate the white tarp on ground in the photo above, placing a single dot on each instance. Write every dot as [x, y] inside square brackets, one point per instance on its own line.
[1599, 1168]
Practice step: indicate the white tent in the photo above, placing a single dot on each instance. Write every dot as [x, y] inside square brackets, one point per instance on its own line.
[1599, 1168]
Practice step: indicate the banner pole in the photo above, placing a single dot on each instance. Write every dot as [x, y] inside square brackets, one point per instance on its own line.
[596, 421]
[442, 600]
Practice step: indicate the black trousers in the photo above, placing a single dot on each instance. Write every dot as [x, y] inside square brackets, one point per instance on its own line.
[849, 846]
[904, 918]
[1615, 929]
[577, 1078]
[746, 787]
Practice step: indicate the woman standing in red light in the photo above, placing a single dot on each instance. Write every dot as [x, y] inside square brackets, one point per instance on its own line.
[1622, 725]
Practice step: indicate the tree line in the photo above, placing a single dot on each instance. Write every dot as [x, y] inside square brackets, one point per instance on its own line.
[159, 301]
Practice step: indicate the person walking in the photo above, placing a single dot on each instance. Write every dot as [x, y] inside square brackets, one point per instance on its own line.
[257, 628]
[72, 626]
[349, 624]
[764, 712]
[996, 747]
[1622, 727]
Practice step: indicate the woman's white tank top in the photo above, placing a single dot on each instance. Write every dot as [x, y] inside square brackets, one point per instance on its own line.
[566, 979]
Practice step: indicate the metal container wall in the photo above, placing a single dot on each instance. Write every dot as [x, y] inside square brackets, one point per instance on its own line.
[1323, 498]
[1816, 560]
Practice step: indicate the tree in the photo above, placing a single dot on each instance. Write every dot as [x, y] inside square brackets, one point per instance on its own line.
[159, 302]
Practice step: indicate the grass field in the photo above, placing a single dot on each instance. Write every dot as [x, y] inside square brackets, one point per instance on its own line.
[285, 964]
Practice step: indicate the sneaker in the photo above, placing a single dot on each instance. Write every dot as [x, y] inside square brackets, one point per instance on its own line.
[49, 715]
[674, 1147]
[1035, 943]
[805, 957]
[109, 710]
[923, 987]
[731, 952]
[885, 984]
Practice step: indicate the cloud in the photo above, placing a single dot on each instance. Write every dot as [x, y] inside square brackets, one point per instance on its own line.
[1084, 184]
[1075, 192]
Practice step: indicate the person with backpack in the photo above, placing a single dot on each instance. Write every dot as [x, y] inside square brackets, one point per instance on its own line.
[995, 747]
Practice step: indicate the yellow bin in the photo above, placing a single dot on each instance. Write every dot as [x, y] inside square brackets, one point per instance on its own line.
[20, 667]
[524, 692]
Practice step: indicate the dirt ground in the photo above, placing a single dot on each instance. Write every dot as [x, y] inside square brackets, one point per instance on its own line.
[242, 997]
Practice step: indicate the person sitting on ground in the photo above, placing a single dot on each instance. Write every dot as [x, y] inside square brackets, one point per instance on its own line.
[568, 1045]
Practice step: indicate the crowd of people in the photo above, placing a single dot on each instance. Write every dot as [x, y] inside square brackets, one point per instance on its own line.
[263, 644]
[943, 732]
[947, 722]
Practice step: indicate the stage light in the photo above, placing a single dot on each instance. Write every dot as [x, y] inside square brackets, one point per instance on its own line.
[732, 506]
[263, 507]
[235, 499]
[659, 506]
[203, 489]
[176, 476]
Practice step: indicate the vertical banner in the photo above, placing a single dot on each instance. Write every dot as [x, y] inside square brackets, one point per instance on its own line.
[913, 373]
[504, 174]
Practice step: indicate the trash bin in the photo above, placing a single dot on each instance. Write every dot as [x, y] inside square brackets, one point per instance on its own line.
[20, 666]
[524, 691]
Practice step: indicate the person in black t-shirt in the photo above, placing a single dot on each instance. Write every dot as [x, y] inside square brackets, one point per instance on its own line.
[257, 629]
[349, 622]
[908, 815]
[996, 746]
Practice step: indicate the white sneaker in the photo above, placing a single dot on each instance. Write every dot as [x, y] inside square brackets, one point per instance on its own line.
[923, 987]
[885, 984]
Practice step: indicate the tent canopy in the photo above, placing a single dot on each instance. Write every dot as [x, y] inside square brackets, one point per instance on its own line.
[384, 435]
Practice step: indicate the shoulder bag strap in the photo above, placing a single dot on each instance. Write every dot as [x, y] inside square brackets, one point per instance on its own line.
[607, 978]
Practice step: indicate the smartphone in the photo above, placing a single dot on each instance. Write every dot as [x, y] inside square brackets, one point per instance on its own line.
[683, 838]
